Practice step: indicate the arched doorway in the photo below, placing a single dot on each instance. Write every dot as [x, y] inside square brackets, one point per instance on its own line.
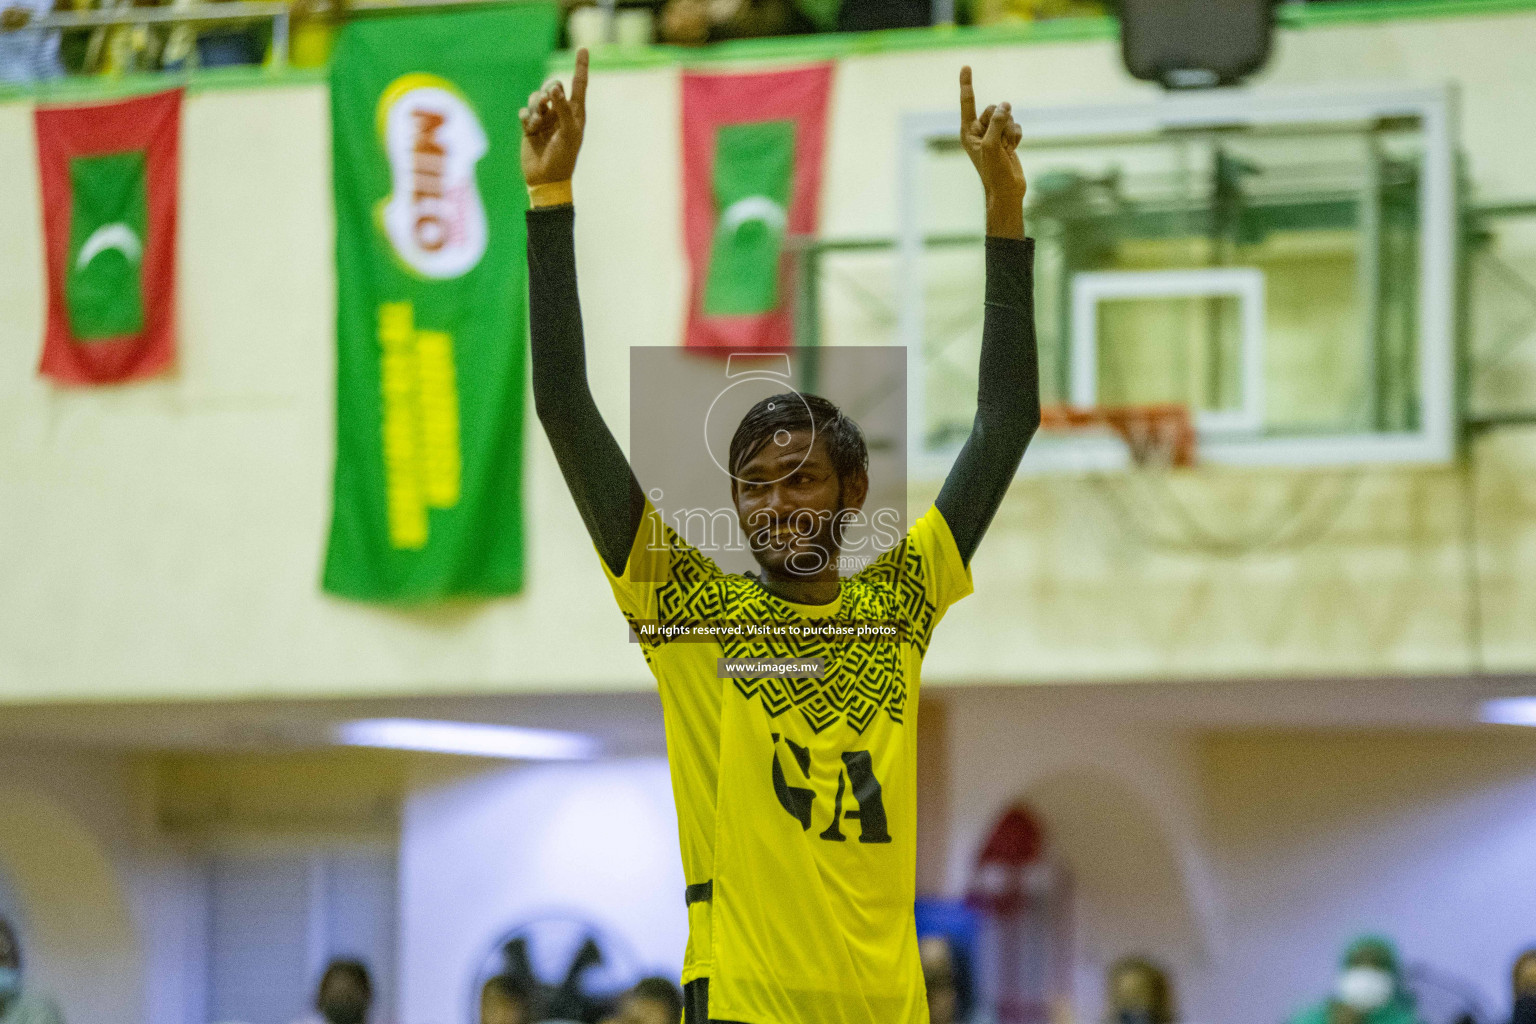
[1139, 882]
[78, 940]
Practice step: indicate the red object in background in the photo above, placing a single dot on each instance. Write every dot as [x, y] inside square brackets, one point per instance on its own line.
[713, 100]
[1160, 433]
[1025, 946]
[148, 123]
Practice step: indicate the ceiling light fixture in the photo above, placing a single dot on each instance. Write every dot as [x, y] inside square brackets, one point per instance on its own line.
[1509, 711]
[476, 739]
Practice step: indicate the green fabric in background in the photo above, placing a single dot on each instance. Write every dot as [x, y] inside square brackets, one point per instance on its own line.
[754, 170]
[103, 289]
[823, 13]
[431, 319]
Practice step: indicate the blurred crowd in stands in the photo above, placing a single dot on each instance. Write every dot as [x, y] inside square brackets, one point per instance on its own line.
[693, 22]
[31, 52]
[1371, 986]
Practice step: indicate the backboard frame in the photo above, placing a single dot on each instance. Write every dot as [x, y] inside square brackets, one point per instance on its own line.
[1246, 284]
[1434, 107]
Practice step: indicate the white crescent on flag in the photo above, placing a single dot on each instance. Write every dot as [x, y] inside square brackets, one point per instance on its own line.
[759, 208]
[110, 236]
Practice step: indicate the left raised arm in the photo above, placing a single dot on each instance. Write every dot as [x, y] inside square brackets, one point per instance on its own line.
[1008, 392]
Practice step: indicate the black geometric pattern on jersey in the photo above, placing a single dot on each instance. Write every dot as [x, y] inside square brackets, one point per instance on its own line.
[860, 679]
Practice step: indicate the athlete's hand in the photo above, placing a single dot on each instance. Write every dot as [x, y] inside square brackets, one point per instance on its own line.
[991, 141]
[552, 128]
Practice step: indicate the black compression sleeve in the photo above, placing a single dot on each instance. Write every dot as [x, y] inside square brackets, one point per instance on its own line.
[1007, 396]
[595, 469]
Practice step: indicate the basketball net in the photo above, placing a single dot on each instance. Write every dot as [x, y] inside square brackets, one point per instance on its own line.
[1158, 436]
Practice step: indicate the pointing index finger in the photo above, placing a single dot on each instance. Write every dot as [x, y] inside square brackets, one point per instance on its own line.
[967, 100]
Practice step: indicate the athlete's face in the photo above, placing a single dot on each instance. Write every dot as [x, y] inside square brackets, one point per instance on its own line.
[789, 500]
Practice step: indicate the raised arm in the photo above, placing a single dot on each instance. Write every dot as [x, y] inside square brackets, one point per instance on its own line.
[595, 469]
[1008, 392]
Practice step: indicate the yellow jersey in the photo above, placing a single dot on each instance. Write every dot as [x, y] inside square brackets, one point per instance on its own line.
[796, 796]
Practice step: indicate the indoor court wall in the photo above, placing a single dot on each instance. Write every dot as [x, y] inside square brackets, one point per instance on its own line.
[165, 539]
[1263, 851]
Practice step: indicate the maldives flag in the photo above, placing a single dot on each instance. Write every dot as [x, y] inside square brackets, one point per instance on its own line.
[752, 149]
[108, 176]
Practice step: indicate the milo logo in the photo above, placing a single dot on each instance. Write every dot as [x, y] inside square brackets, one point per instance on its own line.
[434, 216]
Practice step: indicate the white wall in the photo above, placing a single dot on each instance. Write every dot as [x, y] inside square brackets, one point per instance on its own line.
[115, 916]
[1123, 808]
[1430, 839]
[484, 850]
[109, 910]
[1276, 848]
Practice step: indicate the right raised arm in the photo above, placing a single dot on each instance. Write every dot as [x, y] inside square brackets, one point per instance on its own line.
[599, 476]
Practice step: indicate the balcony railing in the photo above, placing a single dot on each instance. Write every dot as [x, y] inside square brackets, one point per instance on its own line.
[279, 13]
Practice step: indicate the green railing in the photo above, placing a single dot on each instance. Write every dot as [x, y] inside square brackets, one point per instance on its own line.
[1292, 16]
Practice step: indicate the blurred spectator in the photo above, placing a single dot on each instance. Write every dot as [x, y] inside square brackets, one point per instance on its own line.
[652, 1001]
[18, 1004]
[345, 995]
[991, 12]
[938, 961]
[179, 42]
[120, 49]
[505, 1000]
[866, 15]
[1369, 989]
[229, 46]
[691, 22]
[1525, 988]
[312, 31]
[685, 22]
[217, 46]
[947, 979]
[1139, 993]
[27, 53]
[588, 25]
[232, 43]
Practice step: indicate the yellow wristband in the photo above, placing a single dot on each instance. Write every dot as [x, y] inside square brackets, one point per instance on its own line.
[550, 193]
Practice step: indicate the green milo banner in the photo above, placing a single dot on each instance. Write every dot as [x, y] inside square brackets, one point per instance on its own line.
[431, 301]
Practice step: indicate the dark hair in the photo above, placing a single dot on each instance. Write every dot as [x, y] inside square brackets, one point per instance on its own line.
[1162, 989]
[794, 411]
[8, 930]
[356, 969]
[661, 990]
[1520, 961]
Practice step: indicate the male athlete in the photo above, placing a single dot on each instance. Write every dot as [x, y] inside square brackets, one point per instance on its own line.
[796, 798]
